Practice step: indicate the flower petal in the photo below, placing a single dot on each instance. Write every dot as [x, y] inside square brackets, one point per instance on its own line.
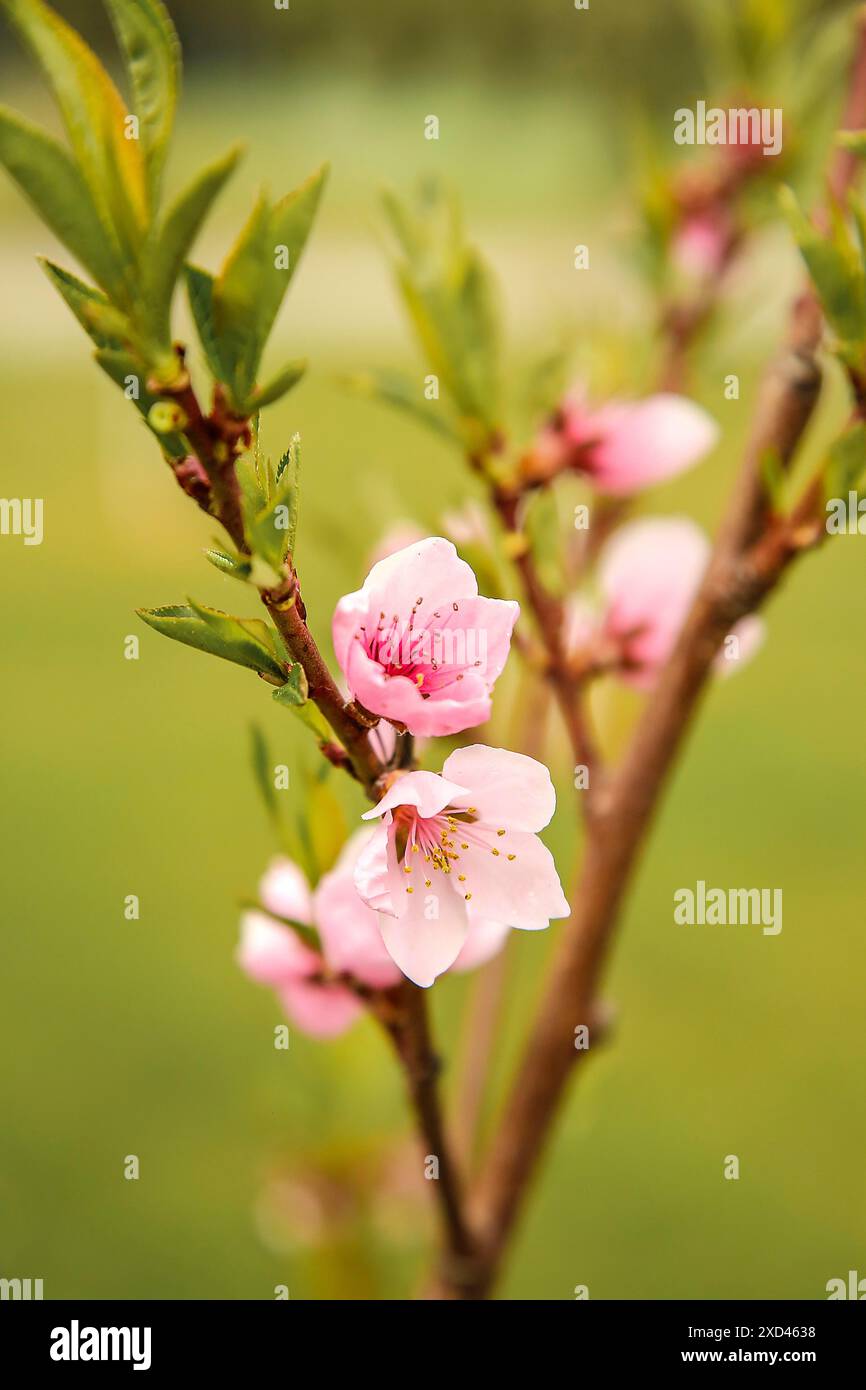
[506, 789]
[649, 574]
[428, 938]
[649, 441]
[427, 791]
[322, 1011]
[272, 954]
[484, 940]
[350, 934]
[522, 891]
[284, 889]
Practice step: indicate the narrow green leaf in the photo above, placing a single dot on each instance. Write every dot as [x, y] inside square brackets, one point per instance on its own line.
[152, 53]
[229, 564]
[164, 259]
[94, 116]
[326, 822]
[271, 531]
[81, 299]
[48, 177]
[263, 771]
[244, 641]
[406, 394]
[296, 691]
[290, 222]
[308, 713]
[237, 294]
[200, 287]
[846, 462]
[129, 373]
[278, 386]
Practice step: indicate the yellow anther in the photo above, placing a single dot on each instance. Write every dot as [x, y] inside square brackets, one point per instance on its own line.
[512, 856]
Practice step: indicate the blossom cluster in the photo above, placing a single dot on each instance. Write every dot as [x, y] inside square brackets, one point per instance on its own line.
[453, 860]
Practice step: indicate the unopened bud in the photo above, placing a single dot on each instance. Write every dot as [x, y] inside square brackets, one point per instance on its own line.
[166, 417]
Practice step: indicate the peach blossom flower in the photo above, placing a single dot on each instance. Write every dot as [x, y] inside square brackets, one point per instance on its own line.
[417, 644]
[459, 850]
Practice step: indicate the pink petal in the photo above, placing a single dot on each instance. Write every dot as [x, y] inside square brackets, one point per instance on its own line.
[322, 1011]
[750, 633]
[349, 929]
[430, 569]
[649, 574]
[437, 647]
[422, 944]
[272, 954]
[648, 442]
[521, 892]
[427, 791]
[377, 873]
[506, 789]
[484, 940]
[397, 697]
[284, 890]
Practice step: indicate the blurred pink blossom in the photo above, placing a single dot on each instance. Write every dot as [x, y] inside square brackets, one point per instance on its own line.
[648, 575]
[625, 446]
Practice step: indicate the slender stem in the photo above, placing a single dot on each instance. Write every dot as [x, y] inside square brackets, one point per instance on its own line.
[403, 1013]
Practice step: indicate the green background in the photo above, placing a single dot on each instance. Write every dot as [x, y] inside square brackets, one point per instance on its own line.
[133, 776]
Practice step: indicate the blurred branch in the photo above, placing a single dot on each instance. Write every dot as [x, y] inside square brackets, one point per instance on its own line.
[752, 552]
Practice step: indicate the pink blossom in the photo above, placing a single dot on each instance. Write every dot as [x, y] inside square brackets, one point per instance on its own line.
[308, 981]
[458, 850]
[701, 243]
[624, 446]
[417, 645]
[649, 573]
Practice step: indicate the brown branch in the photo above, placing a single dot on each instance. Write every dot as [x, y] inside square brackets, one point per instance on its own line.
[752, 552]
[403, 1013]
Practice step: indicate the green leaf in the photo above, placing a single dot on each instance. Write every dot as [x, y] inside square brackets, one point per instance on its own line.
[325, 821]
[836, 268]
[263, 771]
[272, 529]
[233, 565]
[200, 288]
[854, 140]
[406, 394]
[152, 52]
[245, 641]
[278, 386]
[94, 116]
[296, 691]
[164, 259]
[49, 178]
[287, 696]
[121, 366]
[237, 295]
[81, 299]
[290, 222]
[846, 462]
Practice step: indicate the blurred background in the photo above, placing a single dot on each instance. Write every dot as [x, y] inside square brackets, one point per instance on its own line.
[261, 1167]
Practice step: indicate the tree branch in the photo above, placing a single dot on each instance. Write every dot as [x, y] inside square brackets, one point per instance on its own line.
[752, 551]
